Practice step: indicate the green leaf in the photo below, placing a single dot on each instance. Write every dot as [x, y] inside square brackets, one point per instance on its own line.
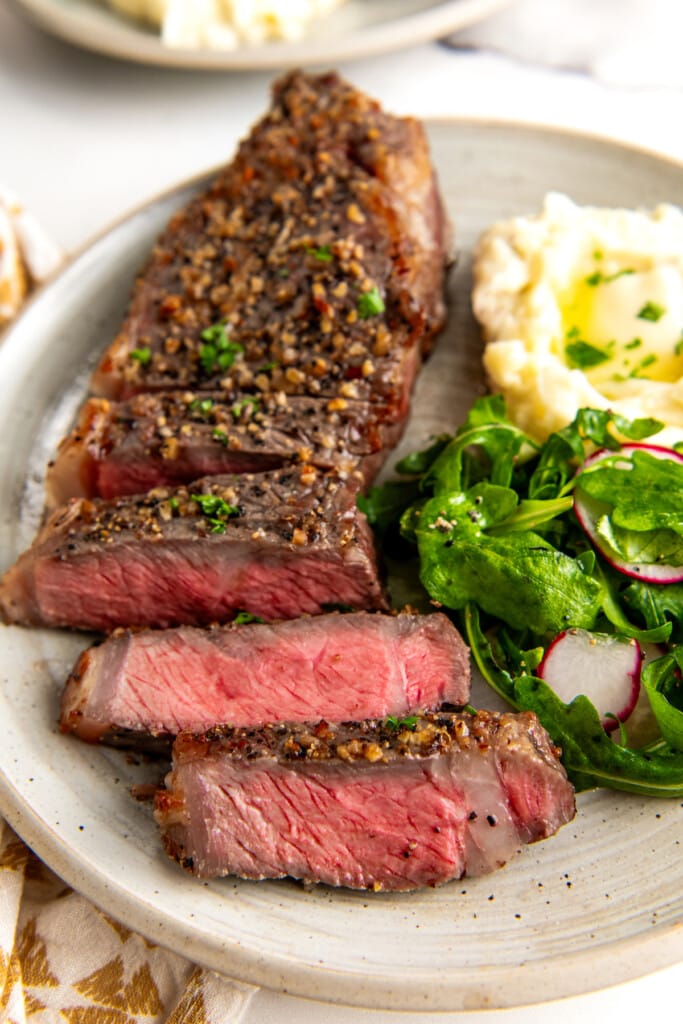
[489, 409]
[496, 449]
[663, 683]
[216, 510]
[385, 505]
[519, 578]
[244, 617]
[580, 355]
[219, 352]
[492, 669]
[642, 547]
[418, 463]
[638, 429]
[216, 333]
[141, 355]
[203, 406]
[322, 253]
[658, 629]
[651, 311]
[643, 491]
[401, 723]
[370, 304]
[589, 755]
[249, 401]
[658, 604]
[529, 515]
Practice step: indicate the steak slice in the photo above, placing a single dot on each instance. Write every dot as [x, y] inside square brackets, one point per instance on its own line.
[338, 667]
[314, 264]
[364, 805]
[263, 543]
[172, 438]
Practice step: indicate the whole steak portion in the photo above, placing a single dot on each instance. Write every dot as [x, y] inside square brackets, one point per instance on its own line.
[339, 667]
[314, 264]
[174, 437]
[267, 543]
[369, 805]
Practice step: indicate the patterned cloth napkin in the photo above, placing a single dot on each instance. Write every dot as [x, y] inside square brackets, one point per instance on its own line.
[62, 961]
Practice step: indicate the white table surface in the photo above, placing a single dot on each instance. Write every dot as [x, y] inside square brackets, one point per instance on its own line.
[84, 139]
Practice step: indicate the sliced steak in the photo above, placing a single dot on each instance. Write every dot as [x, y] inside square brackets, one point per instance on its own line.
[338, 667]
[366, 805]
[170, 438]
[314, 264]
[267, 543]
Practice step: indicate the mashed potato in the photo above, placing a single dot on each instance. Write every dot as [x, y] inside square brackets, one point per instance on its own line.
[225, 24]
[584, 307]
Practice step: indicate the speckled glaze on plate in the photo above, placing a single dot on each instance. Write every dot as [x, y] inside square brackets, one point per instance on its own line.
[359, 28]
[600, 903]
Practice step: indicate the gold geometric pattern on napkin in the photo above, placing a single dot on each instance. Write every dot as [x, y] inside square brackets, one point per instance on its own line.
[62, 960]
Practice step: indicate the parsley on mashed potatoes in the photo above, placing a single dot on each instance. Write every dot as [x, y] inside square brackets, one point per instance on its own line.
[225, 24]
[582, 306]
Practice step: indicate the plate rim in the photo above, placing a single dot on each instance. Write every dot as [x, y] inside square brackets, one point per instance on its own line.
[628, 958]
[134, 44]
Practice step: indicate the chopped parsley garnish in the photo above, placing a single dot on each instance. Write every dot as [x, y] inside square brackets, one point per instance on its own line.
[678, 350]
[581, 356]
[244, 403]
[636, 343]
[597, 277]
[323, 253]
[218, 352]
[573, 333]
[643, 365]
[216, 510]
[216, 333]
[173, 502]
[267, 367]
[370, 304]
[651, 311]
[142, 355]
[243, 617]
[401, 723]
[202, 406]
[220, 435]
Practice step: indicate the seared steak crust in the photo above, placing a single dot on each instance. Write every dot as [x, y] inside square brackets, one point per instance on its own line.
[320, 250]
[175, 437]
[379, 804]
[272, 544]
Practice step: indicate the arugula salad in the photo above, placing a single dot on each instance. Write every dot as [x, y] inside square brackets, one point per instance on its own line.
[563, 564]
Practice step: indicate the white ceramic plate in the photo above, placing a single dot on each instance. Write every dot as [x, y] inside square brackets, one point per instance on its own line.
[600, 903]
[359, 28]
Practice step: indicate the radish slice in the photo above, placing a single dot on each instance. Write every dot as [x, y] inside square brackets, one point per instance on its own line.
[604, 668]
[588, 513]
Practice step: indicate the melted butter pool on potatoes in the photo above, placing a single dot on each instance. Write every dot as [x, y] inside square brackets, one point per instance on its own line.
[584, 306]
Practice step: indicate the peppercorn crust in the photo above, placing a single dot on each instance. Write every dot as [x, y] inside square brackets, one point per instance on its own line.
[314, 263]
[420, 735]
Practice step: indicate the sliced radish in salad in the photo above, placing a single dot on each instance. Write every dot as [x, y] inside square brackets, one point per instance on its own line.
[604, 668]
[588, 512]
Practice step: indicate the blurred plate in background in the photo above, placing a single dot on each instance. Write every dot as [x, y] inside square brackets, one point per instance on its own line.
[358, 28]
